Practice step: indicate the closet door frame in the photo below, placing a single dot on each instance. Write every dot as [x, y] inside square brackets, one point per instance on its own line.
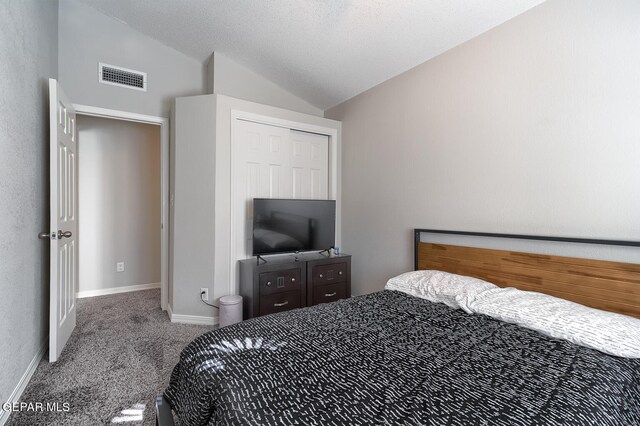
[236, 162]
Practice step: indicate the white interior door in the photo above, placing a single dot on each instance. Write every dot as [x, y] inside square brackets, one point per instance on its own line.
[64, 223]
[274, 162]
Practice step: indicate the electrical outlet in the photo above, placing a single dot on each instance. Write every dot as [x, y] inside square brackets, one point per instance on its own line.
[120, 267]
[204, 296]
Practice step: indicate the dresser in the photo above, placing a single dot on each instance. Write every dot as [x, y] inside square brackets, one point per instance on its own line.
[288, 282]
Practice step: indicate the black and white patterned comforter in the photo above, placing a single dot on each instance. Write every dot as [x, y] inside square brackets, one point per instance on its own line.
[389, 358]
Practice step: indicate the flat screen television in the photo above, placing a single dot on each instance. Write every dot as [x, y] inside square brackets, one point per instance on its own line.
[292, 225]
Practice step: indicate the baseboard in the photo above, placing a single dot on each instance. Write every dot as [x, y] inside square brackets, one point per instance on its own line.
[116, 290]
[190, 319]
[24, 381]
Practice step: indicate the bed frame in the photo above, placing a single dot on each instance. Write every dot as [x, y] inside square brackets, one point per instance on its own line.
[164, 416]
[606, 285]
[610, 286]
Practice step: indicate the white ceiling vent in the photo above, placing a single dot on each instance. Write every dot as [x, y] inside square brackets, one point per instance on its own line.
[123, 77]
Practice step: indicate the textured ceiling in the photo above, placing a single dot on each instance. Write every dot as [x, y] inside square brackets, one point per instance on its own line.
[324, 51]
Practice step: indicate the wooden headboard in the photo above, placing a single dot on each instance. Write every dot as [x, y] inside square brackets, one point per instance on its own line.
[611, 286]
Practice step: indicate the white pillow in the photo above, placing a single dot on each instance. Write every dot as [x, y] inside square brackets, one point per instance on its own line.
[456, 291]
[611, 333]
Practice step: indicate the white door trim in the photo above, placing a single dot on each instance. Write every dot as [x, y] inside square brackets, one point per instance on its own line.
[163, 122]
[334, 167]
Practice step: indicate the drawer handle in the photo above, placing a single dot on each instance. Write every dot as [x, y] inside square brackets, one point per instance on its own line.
[277, 305]
[320, 275]
[330, 294]
[268, 283]
[293, 280]
[340, 273]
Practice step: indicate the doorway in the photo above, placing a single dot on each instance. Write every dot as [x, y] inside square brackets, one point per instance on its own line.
[123, 186]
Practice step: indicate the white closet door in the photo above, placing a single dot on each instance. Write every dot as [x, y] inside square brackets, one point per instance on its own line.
[309, 165]
[274, 162]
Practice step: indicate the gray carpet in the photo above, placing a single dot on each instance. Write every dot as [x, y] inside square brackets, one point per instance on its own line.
[118, 358]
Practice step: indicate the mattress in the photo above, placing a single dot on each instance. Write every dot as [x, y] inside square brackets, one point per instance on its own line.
[389, 358]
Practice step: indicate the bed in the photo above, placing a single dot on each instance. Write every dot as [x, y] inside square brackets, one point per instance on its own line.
[397, 358]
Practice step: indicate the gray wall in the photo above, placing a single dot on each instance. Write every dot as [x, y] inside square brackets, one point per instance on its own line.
[193, 204]
[88, 37]
[119, 203]
[230, 78]
[529, 128]
[28, 48]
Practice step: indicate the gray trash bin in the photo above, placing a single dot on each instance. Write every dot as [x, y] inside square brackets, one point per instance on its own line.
[230, 310]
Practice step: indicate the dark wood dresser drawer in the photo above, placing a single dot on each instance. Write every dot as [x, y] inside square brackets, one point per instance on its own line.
[331, 273]
[285, 282]
[329, 292]
[280, 281]
[280, 302]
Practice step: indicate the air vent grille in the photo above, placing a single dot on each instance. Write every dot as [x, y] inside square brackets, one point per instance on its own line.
[123, 77]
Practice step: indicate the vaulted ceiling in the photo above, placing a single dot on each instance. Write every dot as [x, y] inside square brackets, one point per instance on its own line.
[323, 51]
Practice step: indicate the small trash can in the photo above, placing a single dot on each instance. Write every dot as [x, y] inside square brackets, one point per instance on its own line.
[230, 310]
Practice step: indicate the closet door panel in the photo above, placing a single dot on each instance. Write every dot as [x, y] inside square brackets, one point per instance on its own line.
[274, 162]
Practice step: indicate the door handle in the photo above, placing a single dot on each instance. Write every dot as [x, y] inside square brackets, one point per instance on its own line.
[66, 234]
[60, 235]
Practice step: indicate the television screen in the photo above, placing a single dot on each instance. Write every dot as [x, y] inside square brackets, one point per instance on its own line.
[281, 226]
